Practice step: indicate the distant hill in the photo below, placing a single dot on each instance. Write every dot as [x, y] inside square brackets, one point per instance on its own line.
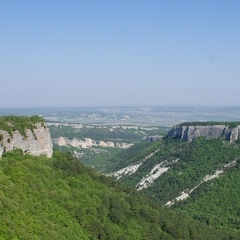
[59, 198]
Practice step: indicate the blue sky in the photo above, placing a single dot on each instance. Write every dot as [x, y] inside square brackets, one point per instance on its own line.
[125, 52]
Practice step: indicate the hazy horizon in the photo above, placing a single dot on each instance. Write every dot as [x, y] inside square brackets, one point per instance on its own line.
[119, 53]
[124, 106]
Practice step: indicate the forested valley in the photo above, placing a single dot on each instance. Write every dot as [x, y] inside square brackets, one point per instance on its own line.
[60, 198]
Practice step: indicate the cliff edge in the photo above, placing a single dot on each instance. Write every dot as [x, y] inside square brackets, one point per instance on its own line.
[30, 134]
[188, 133]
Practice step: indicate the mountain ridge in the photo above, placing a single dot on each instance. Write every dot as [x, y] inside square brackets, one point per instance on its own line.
[190, 131]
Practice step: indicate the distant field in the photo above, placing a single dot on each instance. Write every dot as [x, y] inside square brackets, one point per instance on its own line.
[140, 116]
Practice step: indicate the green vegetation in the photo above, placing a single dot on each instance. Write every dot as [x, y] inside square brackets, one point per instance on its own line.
[108, 159]
[105, 133]
[216, 203]
[97, 157]
[60, 198]
[129, 156]
[196, 160]
[101, 158]
[20, 123]
[210, 123]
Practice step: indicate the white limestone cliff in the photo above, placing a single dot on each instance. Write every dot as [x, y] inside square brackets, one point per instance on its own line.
[36, 143]
[106, 144]
[188, 133]
[61, 141]
[88, 143]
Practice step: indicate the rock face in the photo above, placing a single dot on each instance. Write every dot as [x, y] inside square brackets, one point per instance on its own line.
[188, 133]
[74, 143]
[152, 138]
[124, 145]
[106, 144]
[36, 143]
[62, 141]
[88, 143]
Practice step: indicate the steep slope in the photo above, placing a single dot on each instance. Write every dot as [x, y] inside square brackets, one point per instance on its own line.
[216, 202]
[59, 198]
[178, 170]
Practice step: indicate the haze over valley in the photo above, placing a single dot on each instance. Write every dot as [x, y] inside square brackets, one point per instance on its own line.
[166, 116]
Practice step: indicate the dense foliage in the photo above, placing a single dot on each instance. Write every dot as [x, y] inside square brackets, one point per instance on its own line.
[126, 156]
[99, 158]
[195, 161]
[217, 202]
[20, 123]
[60, 198]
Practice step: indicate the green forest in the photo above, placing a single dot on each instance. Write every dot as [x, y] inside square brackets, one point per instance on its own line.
[215, 202]
[60, 198]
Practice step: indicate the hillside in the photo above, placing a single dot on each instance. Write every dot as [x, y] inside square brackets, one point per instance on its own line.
[186, 175]
[216, 202]
[59, 198]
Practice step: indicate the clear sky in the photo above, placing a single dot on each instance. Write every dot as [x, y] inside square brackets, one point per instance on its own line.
[124, 52]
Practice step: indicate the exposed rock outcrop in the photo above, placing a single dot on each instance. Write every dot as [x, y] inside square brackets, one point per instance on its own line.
[152, 138]
[106, 144]
[124, 145]
[35, 143]
[88, 143]
[62, 141]
[188, 133]
[74, 143]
